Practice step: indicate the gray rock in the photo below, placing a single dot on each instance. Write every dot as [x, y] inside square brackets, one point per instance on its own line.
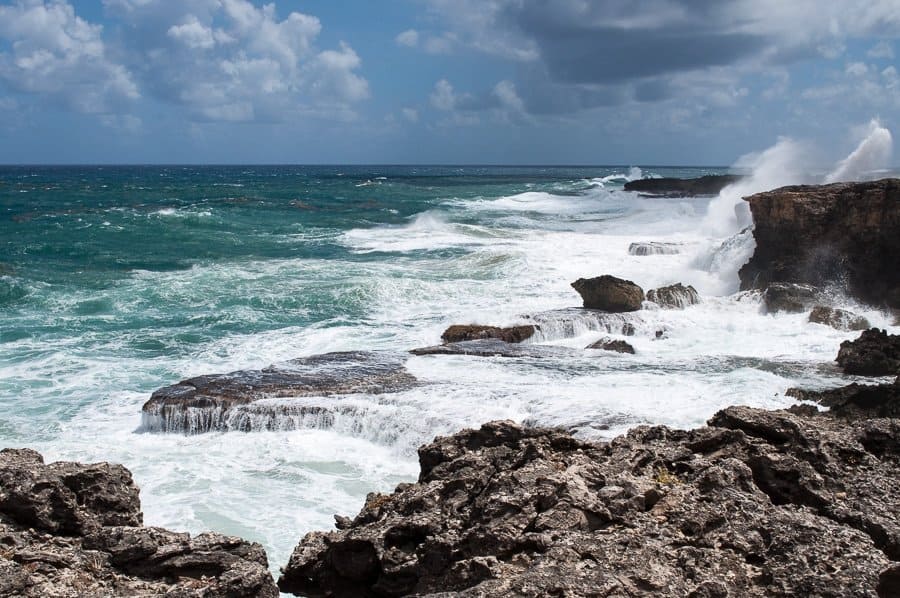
[653, 248]
[609, 293]
[676, 296]
[68, 529]
[790, 297]
[757, 504]
[840, 319]
[874, 353]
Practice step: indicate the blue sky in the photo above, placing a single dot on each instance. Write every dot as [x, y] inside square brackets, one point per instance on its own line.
[441, 81]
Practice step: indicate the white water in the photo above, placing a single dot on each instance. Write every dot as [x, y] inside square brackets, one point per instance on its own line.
[516, 260]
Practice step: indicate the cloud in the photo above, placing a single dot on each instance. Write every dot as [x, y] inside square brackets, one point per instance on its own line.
[230, 60]
[410, 114]
[409, 38]
[881, 50]
[443, 98]
[61, 57]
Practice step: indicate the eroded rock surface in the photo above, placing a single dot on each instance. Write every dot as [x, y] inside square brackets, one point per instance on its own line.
[608, 293]
[74, 530]
[492, 348]
[675, 296]
[608, 344]
[790, 297]
[874, 353]
[828, 234]
[758, 503]
[841, 319]
[709, 184]
[653, 248]
[472, 332]
[204, 403]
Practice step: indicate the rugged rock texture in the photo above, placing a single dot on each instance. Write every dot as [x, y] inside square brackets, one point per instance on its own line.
[472, 332]
[822, 235]
[206, 403]
[676, 296]
[574, 321]
[790, 297]
[757, 504]
[858, 401]
[493, 348]
[671, 187]
[73, 530]
[874, 353]
[654, 248]
[840, 319]
[608, 344]
[608, 293]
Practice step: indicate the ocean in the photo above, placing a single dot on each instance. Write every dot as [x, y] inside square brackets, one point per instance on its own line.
[116, 281]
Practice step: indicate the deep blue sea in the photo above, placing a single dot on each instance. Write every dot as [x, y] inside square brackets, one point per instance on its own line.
[115, 281]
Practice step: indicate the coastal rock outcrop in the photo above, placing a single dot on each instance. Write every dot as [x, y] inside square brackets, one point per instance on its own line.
[790, 297]
[758, 503]
[709, 184]
[840, 319]
[859, 401]
[654, 248]
[675, 296]
[608, 293]
[69, 529]
[221, 401]
[491, 347]
[608, 344]
[472, 332]
[874, 353]
[844, 233]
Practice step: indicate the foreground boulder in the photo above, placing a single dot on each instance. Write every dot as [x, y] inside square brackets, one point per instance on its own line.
[472, 332]
[709, 184]
[790, 297]
[874, 353]
[829, 234]
[608, 344]
[68, 529]
[675, 296]
[757, 504]
[608, 293]
[840, 319]
[224, 401]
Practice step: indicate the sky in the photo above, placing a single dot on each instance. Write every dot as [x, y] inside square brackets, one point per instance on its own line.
[664, 82]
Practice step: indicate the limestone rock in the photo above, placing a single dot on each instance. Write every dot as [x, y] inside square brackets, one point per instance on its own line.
[608, 293]
[471, 332]
[790, 297]
[675, 296]
[608, 344]
[840, 319]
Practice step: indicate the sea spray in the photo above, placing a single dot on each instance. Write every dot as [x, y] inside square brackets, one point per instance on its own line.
[871, 155]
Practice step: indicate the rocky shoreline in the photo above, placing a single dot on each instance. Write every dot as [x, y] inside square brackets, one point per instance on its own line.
[757, 503]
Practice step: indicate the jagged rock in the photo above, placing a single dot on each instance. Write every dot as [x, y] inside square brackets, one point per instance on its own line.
[676, 296]
[790, 297]
[68, 529]
[757, 504]
[857, 401]
[874, 353]
[608, 293]
[840, 319]
[203, 403]
[492, 348]
[472, 332]
[709, 184]
[829, 234]
[608, 344]
[654, 248]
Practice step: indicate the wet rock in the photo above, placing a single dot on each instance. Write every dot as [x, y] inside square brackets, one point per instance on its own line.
[874, 353]
[654, 248]
[829, 234]
[492, 348]
[608, 293]
[840, 319]
[676, 296]
[204, 403]
[69, 529]
[608, 344]
[472, 332]
[570, 322]
[673, 187]
[790, 297]
[856, 401]
[757, 504]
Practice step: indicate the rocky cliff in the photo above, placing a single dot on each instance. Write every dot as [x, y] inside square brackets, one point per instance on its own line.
[758, 503]
[845, 233]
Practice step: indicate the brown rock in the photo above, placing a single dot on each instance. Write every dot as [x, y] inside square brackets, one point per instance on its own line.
[874, 353]
[709, 184]
[790, 297]
[608, 344]
[471, 332]
[608, 293]
[840, 319]
[675, 296]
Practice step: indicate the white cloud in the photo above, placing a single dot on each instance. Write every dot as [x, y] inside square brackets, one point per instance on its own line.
[441, 44]
[882, 50]
[857, 69]
[410, 114]
[193, 34]
[59, 55]
[409, 38]
[443, 98]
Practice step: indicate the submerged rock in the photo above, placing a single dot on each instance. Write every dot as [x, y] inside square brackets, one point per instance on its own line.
[68, 529]
[492, 348]
[471, 332]
[840, 319]
[790, 297]
[757, 504]
[874, 353]
[676, 296]
[570, 322]
[829, 234]
[608, 344]
[204, 403]
[654, 248]
[709, 184]
[608, 293]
